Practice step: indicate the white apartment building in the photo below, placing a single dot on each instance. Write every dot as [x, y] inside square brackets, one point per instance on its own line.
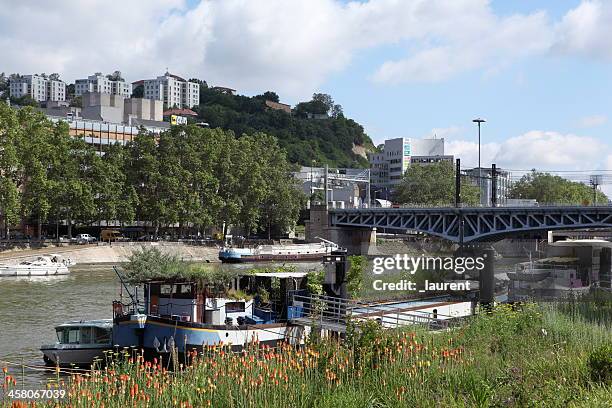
[173, 90]
[100, 83]
[389, 165]
[41, 89]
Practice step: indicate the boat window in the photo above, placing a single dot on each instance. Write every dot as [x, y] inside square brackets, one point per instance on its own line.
[101, 336]
[167, 289]
[185, 288]
[60, 335]
[71, 336]
[234, 307]
[86, 335]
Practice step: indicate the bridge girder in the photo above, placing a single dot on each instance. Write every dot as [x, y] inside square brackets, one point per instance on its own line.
[479, 223]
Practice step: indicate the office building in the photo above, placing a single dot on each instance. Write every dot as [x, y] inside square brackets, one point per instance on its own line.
[389, 165]
[486, 184]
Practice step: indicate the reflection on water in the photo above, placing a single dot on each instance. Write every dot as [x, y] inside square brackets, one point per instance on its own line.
[31, 307]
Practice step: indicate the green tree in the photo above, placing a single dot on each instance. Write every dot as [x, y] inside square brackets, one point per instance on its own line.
[9, 167]
[138, 92]
[433, 184]
[546, 188]
[71, 178]
[142, 172]
[35, 153]
[115, 76]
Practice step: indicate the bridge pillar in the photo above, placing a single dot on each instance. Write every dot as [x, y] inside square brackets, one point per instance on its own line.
[358, 241]
[318, 223]
[486, 277]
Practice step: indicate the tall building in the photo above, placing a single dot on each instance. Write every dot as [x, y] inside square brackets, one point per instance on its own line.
[486, 184]
[38, 87]
[173, 90]
[100, 83]
[389, 165]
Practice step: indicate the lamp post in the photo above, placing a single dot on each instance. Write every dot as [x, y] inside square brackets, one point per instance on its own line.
[479, 121]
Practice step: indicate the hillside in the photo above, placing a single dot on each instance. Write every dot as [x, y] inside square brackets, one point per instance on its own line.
[331, 140]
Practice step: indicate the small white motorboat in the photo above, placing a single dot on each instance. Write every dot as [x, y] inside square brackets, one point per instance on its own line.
[79, 343]
[44, 265]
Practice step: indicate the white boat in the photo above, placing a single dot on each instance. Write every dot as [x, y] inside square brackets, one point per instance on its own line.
[266, 253]
[44, 265]
[79, 343]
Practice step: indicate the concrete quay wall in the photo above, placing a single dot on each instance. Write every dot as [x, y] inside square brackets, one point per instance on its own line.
[116, 253]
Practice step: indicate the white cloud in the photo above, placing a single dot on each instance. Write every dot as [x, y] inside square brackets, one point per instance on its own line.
[447, 132]
[542, 150]
[467, 151]
[593, 121]
[491, 43]
[288, 46]
[587, 30]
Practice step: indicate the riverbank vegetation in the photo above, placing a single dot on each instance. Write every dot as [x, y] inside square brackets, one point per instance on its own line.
[536, 355]
[187, 176]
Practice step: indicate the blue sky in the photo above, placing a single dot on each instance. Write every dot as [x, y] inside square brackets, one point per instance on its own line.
[539, 71]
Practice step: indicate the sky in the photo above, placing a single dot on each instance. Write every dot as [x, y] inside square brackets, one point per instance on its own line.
[539, 71]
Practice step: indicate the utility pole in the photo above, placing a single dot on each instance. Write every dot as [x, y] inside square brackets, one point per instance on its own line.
[596, 180]
[325, 186]
[493, 185]
[479, 121]
[458, 184]
[368, 198]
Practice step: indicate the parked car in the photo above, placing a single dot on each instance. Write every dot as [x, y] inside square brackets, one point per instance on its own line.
[148, 237]
[85, 239]
[108, 235]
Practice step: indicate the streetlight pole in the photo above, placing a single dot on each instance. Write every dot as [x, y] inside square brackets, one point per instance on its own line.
[479, 121]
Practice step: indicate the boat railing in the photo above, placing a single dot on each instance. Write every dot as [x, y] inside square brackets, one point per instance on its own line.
[335, 313]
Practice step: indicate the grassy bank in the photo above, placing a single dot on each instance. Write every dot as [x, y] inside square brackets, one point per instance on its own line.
[539, 356]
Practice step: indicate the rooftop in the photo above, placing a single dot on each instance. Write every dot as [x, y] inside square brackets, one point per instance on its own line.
[181, 112]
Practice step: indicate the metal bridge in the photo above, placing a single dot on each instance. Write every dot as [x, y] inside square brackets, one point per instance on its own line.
[473, 224]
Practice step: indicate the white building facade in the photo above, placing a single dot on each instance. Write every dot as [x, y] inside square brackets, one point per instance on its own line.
[389, 165]
[173, 90]
[38, 87]
[100, 83]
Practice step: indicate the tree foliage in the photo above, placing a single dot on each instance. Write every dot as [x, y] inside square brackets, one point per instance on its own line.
[327, 141]
[187, 176]
[546, 188]
[434, 184]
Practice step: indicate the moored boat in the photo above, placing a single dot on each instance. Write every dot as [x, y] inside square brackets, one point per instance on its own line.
[44, 265]
[185, 315]
[79, 343]
[263, 253]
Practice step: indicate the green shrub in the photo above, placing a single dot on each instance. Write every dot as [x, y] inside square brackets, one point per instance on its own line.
[600, 364]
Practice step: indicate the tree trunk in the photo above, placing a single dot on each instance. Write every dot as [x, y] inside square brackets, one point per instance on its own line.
[39, 227]
[69, 228]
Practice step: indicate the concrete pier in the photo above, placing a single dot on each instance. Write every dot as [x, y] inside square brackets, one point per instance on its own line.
[357, 241]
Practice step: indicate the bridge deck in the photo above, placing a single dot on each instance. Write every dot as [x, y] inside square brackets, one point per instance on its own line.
[466, 224]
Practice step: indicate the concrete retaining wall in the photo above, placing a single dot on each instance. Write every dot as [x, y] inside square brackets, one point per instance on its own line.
[118, 252]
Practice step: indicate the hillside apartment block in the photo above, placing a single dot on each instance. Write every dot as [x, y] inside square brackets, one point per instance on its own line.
[389, 165]
[38, 87]
[173, 90]
[100, 83]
